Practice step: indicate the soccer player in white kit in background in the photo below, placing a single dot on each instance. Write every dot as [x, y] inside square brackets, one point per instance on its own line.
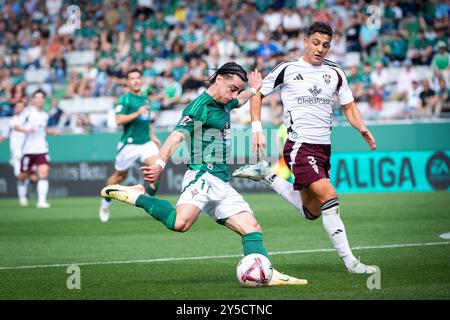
[16, 138]
[307, 89]
[33, 122]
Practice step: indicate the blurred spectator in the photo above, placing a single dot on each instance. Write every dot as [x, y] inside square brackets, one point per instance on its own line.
[58, 67]
[352, 33]
[428, 103]
[397, 48]
[379, 79]
[368, 38]
[443, 95]
[405, 79]
[227, 47]
[273, 19]
[412, 100]
[338, 49]
[73, 85]
[267, 48]
[171, 93]
[54, 114]
[441, 61]
[422, 50]
[291, 22]
[196, 76]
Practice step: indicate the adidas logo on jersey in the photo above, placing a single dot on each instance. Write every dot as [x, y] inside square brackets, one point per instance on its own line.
[298, 77]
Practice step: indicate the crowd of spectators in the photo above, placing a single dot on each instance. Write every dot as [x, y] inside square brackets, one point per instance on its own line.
[177, 44]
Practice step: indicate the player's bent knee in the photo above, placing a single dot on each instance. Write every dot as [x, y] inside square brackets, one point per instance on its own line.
[181, 225]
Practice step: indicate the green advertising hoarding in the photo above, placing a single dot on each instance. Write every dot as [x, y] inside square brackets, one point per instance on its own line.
[393, 171]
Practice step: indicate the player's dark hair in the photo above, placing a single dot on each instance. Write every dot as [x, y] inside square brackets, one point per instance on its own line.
[229, 68]
[133, 71]
[320, 27]
[39, 91]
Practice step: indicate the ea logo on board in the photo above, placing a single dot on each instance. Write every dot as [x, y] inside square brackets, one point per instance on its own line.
[438, 171]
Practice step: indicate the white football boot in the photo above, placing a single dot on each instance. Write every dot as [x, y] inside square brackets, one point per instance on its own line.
[123, 193]
[43, 205]
[280, 279]
[255, 172]
[359, 267]
[103, 213]
[23, 202]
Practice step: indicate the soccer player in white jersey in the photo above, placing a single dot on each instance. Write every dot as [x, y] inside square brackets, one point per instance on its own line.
[33, 122]
[16, 138]
[307, 88]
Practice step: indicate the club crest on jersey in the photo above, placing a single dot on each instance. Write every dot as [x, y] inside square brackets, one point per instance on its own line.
[195, 192]
[185, 120]
[327, 78]
[118, 108]
[315, 91]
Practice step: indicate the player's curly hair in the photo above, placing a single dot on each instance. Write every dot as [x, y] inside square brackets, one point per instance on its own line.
[229, 68]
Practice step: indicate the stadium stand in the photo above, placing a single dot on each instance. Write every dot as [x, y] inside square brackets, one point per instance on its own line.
[186, 40]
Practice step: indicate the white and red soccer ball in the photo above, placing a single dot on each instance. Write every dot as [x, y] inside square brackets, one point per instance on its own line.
[254, 270]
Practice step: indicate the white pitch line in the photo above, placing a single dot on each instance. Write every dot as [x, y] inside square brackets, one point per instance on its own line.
[388, 246]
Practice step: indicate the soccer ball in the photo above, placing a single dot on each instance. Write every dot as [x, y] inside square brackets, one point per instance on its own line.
[254, 270]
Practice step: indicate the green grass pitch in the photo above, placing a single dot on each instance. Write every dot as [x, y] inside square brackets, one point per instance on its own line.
[118, 259]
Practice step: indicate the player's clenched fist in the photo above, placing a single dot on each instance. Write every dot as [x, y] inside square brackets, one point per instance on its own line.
[151, 173]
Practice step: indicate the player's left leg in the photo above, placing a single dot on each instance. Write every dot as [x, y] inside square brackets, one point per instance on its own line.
[334, 226]
[245, 224]
[42, 185]
[178, 219]
[235, 213]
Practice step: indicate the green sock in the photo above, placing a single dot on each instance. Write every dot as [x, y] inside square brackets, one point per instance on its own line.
[253, 243]
[161, 210]
[150, 190]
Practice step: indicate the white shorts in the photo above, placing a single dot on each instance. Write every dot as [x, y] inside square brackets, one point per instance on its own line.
[130, 153]
[211, 195]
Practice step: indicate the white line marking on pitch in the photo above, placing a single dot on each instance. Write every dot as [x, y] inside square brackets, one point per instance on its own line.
[388, 246]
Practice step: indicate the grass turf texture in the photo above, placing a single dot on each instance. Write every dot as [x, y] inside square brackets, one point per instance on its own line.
[70, 232]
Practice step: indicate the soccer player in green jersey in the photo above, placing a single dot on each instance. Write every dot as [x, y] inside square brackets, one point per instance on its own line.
[138, 141]
[206, 184]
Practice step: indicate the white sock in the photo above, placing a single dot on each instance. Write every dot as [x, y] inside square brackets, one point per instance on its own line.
[336, 231]
[42, 190]
[285, 190]
[106, 203]
[22, 189]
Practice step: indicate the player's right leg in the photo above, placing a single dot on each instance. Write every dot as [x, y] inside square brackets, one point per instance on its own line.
[178, 219]
[304, 201]
[22, 180]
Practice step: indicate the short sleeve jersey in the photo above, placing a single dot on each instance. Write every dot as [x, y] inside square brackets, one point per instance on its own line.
[35, 142]
[136, 131]
[307, 96]
[206, 126]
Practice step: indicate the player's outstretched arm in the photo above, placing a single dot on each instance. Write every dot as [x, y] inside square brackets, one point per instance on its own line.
[152, 172]
[255, 82]
[354, 117]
